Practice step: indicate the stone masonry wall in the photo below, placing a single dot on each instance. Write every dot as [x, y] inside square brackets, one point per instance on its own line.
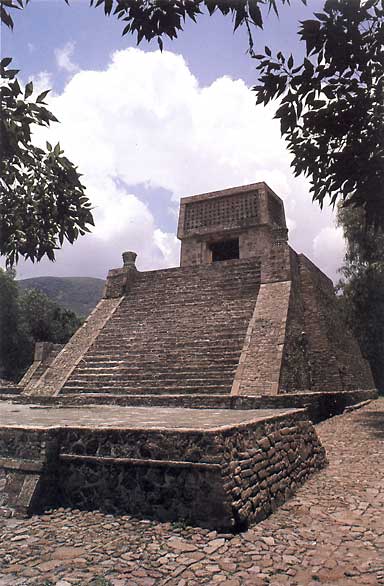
[224, 478]
[334, 356]
[168, 492]
[295, 372]
[250, 213]
[297, 340]
[44, 355]
[260, 362]
[27, 461]
[262, 475]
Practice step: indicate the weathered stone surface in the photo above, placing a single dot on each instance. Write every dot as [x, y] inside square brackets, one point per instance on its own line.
[176, 331]
[171, 464]
[301, 544]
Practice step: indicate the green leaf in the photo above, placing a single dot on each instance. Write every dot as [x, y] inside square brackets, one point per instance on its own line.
[5, 62]
[255, 13]
[40, 98]
[28, 90]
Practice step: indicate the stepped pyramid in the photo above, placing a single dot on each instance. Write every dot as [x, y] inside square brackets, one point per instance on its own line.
[244, 314]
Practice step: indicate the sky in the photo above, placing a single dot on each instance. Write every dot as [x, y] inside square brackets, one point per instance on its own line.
[146, 128]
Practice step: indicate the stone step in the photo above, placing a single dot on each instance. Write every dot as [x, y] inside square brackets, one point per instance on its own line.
[146, 390]
[223, 291]
[219, 329]
[145, 379]
[203, 283]
[159, 366]
[19, 482]
[157, 372]
[216, 301]
[171, 341]
[157, 357]
[207, 360]
[177, 331]
[227, 322]
[165, 355]
[151, 382]
[175, 337]
[206, 282]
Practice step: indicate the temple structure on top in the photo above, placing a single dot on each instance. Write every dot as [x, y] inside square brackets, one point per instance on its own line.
[244, 314]
[238, 223]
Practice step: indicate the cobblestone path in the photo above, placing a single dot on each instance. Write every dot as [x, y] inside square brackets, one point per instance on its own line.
[330, 533]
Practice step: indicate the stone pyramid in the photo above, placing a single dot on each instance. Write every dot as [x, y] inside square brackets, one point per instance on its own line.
[244, 314]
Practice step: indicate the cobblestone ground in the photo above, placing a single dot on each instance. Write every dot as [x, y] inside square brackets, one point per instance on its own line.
[331, 532]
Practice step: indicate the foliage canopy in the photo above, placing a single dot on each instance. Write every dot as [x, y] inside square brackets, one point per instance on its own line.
[27, 317]
[42, 201]
[332, 106]
[362, 287]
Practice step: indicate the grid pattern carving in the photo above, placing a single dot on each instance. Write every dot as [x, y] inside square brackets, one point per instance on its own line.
[230, 210]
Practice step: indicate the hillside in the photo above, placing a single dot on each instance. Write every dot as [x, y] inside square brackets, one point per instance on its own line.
[80, 294]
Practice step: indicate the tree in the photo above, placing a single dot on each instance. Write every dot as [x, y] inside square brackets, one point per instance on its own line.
[46, 321]
[150, 19]
[15, 349]
[42, 201]
[27, 317]
[362, 287]
[332, 109]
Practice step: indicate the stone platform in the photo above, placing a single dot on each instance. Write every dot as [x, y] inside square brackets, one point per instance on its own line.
[132, 418]
[212, 467]
[329, 533]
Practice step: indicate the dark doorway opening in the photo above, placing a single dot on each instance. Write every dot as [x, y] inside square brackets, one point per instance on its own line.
[225, 250]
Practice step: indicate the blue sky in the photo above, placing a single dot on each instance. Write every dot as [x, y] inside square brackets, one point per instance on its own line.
[146, 128]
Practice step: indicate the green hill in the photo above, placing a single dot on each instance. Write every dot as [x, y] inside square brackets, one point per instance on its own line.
[80, 294]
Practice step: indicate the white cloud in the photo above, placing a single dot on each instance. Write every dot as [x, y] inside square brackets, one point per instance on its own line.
[329, 248]
[147, 121]
[42, 81]
[168, 245]
[64, 58]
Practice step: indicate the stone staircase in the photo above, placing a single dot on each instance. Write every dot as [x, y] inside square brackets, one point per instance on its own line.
[177, 331]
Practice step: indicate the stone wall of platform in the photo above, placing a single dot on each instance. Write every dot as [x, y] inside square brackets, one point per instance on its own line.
[225, 478]
[165, 491]
[28, 459]
[261, 475]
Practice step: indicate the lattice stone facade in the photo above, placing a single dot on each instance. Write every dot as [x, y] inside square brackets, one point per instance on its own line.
[252, 215]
